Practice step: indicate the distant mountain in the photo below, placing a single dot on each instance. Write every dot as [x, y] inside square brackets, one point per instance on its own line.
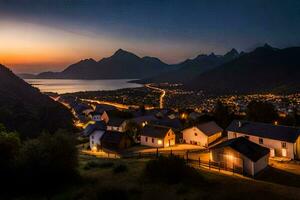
[266, 69]
[122, 64]
[190, 68]
[26, 110]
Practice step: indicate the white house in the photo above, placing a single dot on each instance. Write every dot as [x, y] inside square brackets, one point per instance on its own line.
[99, 116]
[240, 153]
[95, 132]
[202, 134]
[283, 141]
[157, 136]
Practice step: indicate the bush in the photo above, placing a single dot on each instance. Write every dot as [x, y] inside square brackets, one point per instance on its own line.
[120, 168]
[171, 170]
[95, 164]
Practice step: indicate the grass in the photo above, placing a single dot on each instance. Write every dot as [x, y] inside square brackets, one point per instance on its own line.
[103, 183]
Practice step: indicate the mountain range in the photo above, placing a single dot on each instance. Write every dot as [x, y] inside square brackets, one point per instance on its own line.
[26, 110]
[122, 64]
[190, 68]
[265, 69]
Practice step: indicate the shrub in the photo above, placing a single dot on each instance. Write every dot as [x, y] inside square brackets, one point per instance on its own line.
[120, 168]
[95, 164]
[171, 170]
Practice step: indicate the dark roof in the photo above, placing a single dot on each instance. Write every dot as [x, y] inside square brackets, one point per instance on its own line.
[142, 119]
[155, 131]
[115, 121]
[95, 113]
[99, 125]
[171, 123]
[282, 133]
[113, 137]
[79, 108]
[247, 148]
[103, 107]
[209, 128]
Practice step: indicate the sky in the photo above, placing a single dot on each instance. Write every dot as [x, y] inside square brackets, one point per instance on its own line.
[43, 35]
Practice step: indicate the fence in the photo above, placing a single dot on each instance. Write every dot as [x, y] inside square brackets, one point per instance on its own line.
[215, 165]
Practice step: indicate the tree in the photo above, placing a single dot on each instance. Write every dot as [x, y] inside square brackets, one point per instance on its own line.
[222, 114]
[48, 158]
[260, 111]
[133, 130]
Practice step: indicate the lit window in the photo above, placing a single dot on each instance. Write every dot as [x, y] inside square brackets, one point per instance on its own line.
[159, 142]
[261, 141]
[283, 145]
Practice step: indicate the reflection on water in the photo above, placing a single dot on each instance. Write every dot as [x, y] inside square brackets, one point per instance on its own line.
[68, 86]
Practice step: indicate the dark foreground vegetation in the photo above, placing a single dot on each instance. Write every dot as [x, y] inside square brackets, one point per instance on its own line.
[36, 166]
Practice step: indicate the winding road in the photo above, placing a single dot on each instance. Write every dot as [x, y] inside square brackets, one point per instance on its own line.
[161, 98]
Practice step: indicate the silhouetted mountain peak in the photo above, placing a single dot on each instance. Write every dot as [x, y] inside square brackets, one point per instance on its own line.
[233, 53]
[120, 53]
[266, 45]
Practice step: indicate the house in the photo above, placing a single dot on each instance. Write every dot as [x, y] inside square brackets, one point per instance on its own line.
[95, 132]
[157, 136]
[116, 124]
[283, 141]
[241, 153]
[202, 134]
[114, 140]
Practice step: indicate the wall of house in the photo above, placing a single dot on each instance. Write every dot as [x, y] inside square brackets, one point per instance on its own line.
[147, 141]
[95, 140]
[169, 139]
[261, 164]
[96, 118]
[214, 137]
[105, 117]
[195, 136]
[269, 143]
[297, 149]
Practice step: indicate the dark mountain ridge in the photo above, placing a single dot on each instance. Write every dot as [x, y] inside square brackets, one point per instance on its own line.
[24, 109]
[190, 68]
[122, 64]
[266, 69]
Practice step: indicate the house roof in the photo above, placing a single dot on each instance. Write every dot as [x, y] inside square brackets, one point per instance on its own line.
[155, 131]
[209, 128]
[95, 113]
[247, 148]
[113, 137]
[99, 125]
[103, 107]
[142, 119]
[171, 123]
[282, 133]
[116, 121]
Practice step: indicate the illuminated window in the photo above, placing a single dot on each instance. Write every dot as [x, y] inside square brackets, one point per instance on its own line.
[283, 145]
[261, 141]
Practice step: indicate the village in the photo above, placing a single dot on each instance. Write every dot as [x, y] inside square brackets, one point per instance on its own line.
[244, 147]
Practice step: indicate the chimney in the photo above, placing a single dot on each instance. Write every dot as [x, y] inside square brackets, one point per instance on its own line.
[240, 124]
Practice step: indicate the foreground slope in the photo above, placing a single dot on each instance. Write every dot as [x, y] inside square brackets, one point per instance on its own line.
[26, 110]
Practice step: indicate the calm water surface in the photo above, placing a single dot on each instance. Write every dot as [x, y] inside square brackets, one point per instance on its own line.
[68, 86]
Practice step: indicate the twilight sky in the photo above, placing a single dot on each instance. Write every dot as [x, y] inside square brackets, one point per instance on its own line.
[41, 35]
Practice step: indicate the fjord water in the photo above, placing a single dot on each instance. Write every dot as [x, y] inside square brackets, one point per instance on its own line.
[61, 86]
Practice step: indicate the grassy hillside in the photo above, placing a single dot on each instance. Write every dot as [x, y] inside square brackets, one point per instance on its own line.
[103, 182]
